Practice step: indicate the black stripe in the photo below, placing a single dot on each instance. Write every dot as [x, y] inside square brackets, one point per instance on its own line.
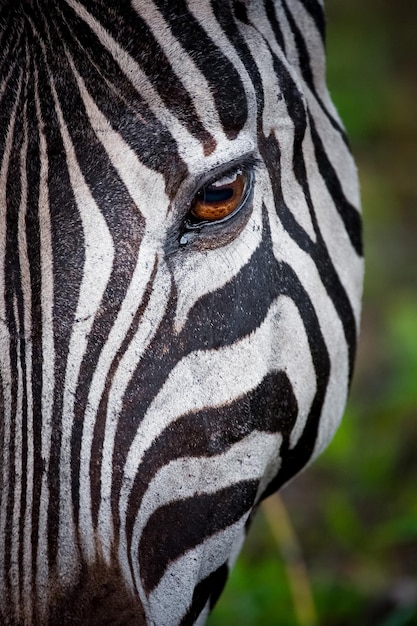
[275, 25]
[238, 42]
[11, 34]
[168, 534]
[315, 9]
[307, 73]
[209, 588]
[349, 214]
[240, 11]
[225, 83]
[304, 57]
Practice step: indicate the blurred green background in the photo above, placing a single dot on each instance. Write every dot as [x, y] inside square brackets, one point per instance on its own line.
[354, 513]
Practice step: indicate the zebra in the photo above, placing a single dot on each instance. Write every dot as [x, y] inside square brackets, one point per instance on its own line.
[180, 283]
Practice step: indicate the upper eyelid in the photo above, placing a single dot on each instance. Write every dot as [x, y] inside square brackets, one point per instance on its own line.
[244, 163]
[229, 174]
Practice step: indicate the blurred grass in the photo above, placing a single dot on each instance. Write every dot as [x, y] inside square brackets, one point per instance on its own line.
[355, 511]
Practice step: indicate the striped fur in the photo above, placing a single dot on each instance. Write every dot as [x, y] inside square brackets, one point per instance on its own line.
[156, 382]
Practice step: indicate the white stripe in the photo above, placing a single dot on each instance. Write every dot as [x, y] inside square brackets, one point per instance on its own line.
[48, 351]
[289, 56]
[202, 618]
[145, 186]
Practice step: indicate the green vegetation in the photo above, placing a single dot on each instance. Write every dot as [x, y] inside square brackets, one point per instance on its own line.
[355, 511]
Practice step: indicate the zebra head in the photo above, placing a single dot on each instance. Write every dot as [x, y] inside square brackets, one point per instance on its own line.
[180, 279]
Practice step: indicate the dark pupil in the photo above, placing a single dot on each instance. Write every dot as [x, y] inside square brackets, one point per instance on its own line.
[211, 194]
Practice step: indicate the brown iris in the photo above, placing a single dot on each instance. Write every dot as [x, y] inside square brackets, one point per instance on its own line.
[219, 199]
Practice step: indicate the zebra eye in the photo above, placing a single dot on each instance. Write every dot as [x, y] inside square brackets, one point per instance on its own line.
[220, 199]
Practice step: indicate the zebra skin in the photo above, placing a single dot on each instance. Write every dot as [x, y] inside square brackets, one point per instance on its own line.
[180, 284]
